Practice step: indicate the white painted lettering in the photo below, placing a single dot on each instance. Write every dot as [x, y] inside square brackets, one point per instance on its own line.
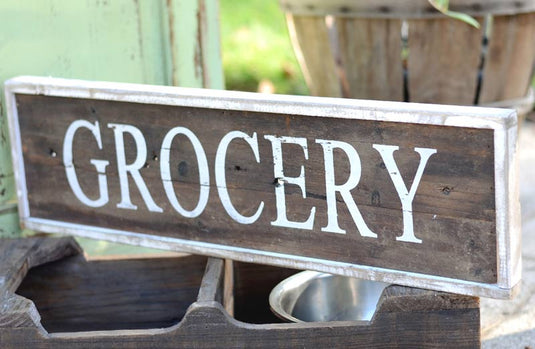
[220, 178]
[331, 188]
[123, 169]
[100, 165]
[204, 176]
[406, 197]
[278, 169]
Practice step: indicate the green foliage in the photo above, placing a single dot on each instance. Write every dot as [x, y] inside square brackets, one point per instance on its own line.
[443, 6]
[256, 47]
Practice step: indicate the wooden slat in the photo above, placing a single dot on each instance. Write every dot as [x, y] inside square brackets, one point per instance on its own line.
[17, 257]
[510, 58]
[403, 8]
[370, 58]
[406, 318]
[228, 287]
[464, 215]
[310, 35]
[193, 37]
[18, 312]
[444, 56]
[76, 295]
[212, 281]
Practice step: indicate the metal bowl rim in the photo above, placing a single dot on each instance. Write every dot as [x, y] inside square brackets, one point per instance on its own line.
[299, 280]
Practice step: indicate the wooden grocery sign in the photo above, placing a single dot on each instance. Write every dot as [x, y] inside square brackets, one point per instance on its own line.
[419, 195]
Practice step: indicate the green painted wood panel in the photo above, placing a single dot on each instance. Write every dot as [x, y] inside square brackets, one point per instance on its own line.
[159, 42]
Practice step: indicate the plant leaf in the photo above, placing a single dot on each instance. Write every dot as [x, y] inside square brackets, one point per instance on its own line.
[463, 17]
[443, 7]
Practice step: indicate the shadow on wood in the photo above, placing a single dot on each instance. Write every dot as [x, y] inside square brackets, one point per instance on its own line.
[176, 301]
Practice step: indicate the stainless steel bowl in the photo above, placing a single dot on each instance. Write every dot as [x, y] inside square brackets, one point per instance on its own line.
[312, 296]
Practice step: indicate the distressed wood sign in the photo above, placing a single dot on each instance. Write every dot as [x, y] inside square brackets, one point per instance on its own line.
[419, 195]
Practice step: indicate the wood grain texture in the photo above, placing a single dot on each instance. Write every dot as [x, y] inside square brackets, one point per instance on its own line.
[18, 312]
[192, 37]
[443, 61]
[228, 287]
[315, 56]
[403, 9]
[406, 317]
[212, 282]
[18, 256]
[76, 295]
[509, 59]
[454, 209]
[369, 52]
[208, 326]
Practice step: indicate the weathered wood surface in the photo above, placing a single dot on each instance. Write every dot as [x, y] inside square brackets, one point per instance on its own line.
[315, 56]
[228, 287]
[78, 295]
[369, 58]
[403, 9]
[406, 317]
[307, 183]
[509, 59]
[454, 211]
[206, 325]
[18, 256]
[443, 61]
[437, 60]
[213, 281]
[352, 58]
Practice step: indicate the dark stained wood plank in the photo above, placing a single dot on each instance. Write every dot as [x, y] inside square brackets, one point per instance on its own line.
[311, 183]
[444, 56]
[77, 295]
[210, 327]
[406, 317]
[455, 195]
[410, 319]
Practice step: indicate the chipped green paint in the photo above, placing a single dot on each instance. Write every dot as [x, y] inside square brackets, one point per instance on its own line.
[9, 220]
[160, 42]
[194, 37]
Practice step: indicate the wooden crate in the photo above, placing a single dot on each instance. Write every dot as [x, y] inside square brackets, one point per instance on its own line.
[66, 301]
[408, 51]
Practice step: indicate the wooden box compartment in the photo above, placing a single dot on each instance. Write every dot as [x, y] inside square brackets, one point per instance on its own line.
[65, 301]
[73, 294]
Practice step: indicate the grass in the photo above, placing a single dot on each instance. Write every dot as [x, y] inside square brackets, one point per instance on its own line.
[256, 48]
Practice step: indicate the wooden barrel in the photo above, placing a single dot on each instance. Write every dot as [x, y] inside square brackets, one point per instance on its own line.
[405, 50]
